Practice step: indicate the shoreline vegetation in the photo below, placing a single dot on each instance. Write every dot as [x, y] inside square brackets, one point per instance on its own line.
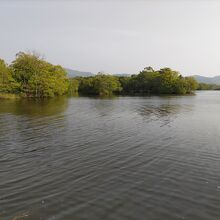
[9, 96]
[29, 75]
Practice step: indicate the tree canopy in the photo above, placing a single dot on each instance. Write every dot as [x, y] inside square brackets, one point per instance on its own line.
[32, 76]
[99, 85]
[163, 81]
[37, 77]
[7, 82]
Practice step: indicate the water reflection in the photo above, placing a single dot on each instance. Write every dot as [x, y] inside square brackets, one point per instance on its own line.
[34, 107]
[104, 107]
[164, 109]
[87, 158]
[158, 111]
[165, 114]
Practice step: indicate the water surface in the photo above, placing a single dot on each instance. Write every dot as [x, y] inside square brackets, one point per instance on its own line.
[123, 158]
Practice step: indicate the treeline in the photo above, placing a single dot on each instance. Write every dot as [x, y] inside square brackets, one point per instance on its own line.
[31, 76]
[148, 81]
[205, 86]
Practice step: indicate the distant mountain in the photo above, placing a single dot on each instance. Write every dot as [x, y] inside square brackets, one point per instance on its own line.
[75, 73]
[122, 74]
[201, 79]
[208, 80]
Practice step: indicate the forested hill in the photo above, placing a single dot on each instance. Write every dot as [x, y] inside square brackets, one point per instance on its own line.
[75, 73]
[207, 80]
[200, 79]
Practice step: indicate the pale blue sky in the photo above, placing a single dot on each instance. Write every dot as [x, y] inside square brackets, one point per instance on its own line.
[115, 36]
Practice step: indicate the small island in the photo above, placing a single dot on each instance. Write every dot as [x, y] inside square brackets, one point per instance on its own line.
[29, 75]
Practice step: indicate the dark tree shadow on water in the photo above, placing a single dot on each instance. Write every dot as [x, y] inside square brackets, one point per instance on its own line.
[34, 107]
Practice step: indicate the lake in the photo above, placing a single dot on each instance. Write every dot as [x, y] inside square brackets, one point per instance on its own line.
[122, 158]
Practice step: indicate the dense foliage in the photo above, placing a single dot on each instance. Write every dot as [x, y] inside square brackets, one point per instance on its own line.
[163, 81]
[37, 77]
[32, 76]
[204, 86]
[99, 85]
[7, 82]
[148, 81]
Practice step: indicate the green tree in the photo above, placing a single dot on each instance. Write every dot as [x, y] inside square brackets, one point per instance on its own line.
[106, 84]
[169, 79]
[99, 85]
[86, 85]
[73, 86]
[191, 84]
[163, 81]
[7, 82]
[37, 77]
[204, 86]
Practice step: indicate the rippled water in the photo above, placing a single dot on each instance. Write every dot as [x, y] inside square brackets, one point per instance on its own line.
[122, 158]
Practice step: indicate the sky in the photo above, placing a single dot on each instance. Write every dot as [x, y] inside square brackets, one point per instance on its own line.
[115, 36]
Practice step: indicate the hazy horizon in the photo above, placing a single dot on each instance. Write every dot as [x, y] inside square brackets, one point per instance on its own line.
[115, 36]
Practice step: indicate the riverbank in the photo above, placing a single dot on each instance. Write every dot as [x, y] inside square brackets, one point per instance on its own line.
[9, 96]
